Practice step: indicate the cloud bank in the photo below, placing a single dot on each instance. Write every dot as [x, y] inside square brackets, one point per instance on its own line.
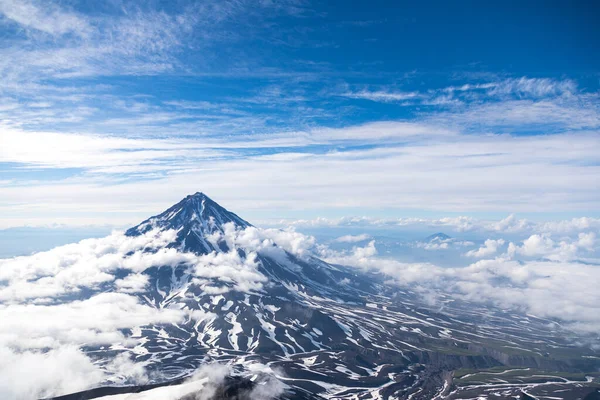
[538, 276]
[54, 302]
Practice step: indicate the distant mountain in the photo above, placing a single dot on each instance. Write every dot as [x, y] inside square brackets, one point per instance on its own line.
[332, 331]
[437, 237]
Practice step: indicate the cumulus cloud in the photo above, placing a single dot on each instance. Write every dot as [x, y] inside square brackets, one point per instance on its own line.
[553, 288]
[204, 383]
[567, 226]
[269, 240]
[489, 247]
[34, 375]
[352, 238]
[586, 240]
[54, 297]
[536, 245]
[228, 268]
[52, 303]
[97, 320]
[364, 252]
[92, 263]
[122, 368]
[435, 245]
[132, 283]
[41, 321]
[442, 243]
[510, 224]
[542, 245]
[201, 385]
[87, 264]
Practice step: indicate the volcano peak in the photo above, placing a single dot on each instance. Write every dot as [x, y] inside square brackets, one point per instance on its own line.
[195, 214]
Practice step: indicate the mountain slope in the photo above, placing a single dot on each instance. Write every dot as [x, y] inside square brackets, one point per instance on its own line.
[324, 330]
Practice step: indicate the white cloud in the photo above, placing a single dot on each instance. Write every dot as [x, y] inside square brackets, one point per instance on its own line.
[206, 380]
[256, 239]
[556, 289]
[511, 224]
[44, 340]
[64, 40]
[269, 387]
[559, 289]
[34, 375]
[97, 320]
[352, 238]
[511, 88]
[446, 158]
[68, 370]
[132, 283]
[381, 95]
[536, 245]
[101, 154]
[547, 115]
[51, 19]
[443, 245]
[124, 41]
[122, 368]
[559, 166]
[364, 252]
[542, 245]
[374, 132]
[41, 329]
[566, 226]
[586, 240]
[508, 225]
[536, 87]
[89, 263]
[463, 223]
[490, 247]
[230, 268]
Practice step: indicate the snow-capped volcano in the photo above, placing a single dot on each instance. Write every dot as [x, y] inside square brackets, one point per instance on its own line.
[197, 211]
[437, 237]
[259, 296]
[193, 218]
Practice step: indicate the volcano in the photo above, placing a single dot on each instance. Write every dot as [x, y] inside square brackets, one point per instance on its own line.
[323, 330]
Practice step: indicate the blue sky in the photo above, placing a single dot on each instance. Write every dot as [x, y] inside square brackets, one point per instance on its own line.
[111, 111]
